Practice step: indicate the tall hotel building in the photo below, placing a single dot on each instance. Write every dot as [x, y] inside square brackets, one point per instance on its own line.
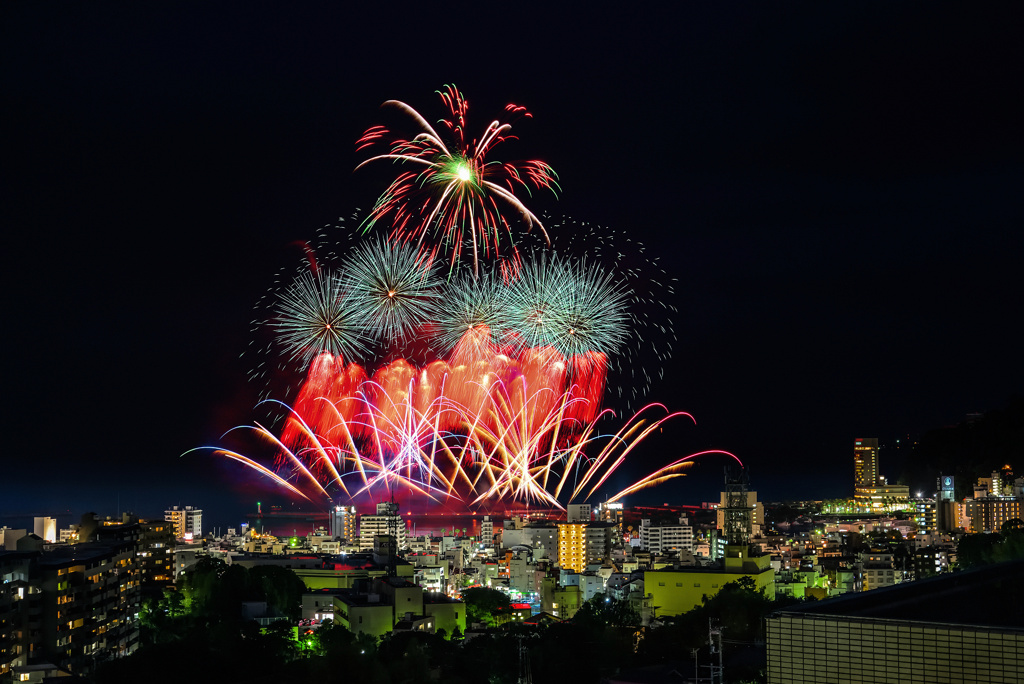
[870, 492]
[865, 469]
[865, 463]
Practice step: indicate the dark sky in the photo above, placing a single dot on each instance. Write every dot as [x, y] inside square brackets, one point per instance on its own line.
[837, 191]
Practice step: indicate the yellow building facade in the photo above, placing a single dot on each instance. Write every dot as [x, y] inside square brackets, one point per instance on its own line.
[572, 546]
[673, 592]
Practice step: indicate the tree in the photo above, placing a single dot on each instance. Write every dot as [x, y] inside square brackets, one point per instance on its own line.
[1012, 525]
[483, 604]
[280, 587]
[606, 611]
[976, 550]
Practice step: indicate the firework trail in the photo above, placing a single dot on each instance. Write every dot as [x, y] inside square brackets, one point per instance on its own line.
[513, 451]
[450, 187]
[481, 429]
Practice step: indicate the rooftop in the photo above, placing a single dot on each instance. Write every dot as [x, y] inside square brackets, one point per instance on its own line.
[991, 596]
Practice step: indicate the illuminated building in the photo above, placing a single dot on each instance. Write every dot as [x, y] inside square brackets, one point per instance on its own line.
[344, 523]
[487, 531]
[871, 493]
[542, 537]
[346, 573]
[429, 572]
[521, 573]
[387, 521]
[748, 501]
[875, 569]
[187, 521]
[677, 591]
[45, 529]
[610, 512]
[562, 602]
[156, 554]
[578, 513]
[946, 513]
[448, 614]
[70, 605]
[572, 546]
[15, 593]
[989, 514]
[515, 613]
[613, 513]
[925, 514]
[865, 462]
[584, 543]
[665, 536]
[865, 469]
[939, 629]
[390, 604]
[930, 560]
[89, 603]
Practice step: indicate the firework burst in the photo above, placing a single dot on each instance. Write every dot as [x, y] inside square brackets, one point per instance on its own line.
[451, 188]
[315, 315]
[575, 307]
[471, 304]
[650, 297]
[395, 288]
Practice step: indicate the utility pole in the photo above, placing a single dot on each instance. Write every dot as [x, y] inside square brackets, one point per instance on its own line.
[525, 677]
[715, 644]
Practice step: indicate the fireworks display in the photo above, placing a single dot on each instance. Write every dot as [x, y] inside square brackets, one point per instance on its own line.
[448, 186]
[473, 385]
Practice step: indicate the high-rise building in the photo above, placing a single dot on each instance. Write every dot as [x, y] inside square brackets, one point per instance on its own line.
[865, 463]
[187, 521]
[989, 513]
[487, 531]
[870, 491]
[666, 536]
[344, 523]
[578, 513]
[583, 543]
[15, 594]
[156, 555]
[572, 546]
[70, 606]
[387, 521]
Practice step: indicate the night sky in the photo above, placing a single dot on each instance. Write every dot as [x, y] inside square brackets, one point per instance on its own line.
[836, 190]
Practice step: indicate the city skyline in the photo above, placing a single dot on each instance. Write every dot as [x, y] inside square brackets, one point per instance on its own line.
[834, 200]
